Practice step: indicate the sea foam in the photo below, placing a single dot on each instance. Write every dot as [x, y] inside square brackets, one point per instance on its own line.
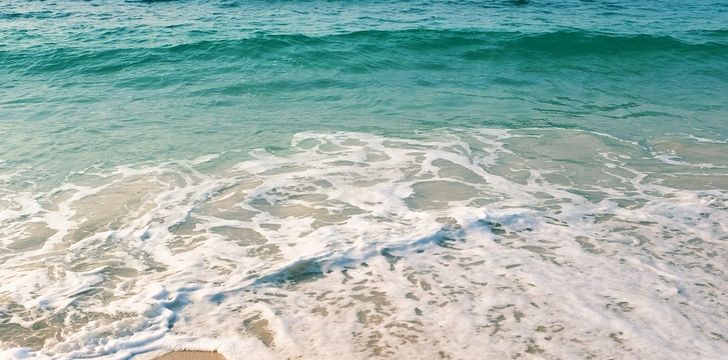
[463, 244]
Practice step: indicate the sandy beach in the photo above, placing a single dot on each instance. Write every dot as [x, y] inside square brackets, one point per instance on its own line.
[191, 355]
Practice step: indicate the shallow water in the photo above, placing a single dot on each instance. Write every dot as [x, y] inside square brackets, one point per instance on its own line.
[404, 180]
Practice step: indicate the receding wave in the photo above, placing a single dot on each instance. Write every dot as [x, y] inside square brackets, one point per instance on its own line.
[513, 233]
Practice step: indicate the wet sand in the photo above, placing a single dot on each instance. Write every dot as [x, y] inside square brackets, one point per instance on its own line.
[191, 355]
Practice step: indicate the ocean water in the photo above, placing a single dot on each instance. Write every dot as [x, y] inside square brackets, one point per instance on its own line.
[378, 179]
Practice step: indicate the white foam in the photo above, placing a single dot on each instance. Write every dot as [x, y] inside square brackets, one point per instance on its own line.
[463, 244]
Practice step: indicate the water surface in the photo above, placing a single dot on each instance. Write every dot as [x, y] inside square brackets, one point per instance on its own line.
[321, 179]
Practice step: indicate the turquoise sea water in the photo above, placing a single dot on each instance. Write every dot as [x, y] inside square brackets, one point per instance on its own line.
[119, 82]
[270, 177]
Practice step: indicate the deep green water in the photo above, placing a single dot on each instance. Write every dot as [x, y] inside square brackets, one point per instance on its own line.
[358, 180]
